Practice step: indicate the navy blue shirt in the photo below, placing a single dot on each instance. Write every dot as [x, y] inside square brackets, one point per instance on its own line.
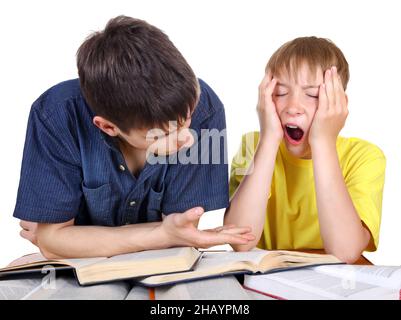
[71, 169]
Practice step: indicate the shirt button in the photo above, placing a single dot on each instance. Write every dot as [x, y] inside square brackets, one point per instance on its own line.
[122, 168]
[132, 203]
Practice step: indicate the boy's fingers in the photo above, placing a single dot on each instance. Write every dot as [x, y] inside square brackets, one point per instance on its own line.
[265, 81]
[337, 90]
[207, 239]
[328, 80]
[236, 239]
[210, 240]
[270, 88]
[248, 236]
[217, 229]
[340, 83]
[268, 77]
[227, 226]
[28, 225]
[323, 104]
[238, 230]
[221, 228]
[30, 236]
[263, 85]
[341, 97]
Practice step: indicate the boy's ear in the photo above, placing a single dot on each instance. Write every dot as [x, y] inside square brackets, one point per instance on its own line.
[346, 100]
[106, 126]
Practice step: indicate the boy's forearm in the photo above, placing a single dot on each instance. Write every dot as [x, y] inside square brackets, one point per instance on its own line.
[340, 225]
[248, 204]
[96, 241]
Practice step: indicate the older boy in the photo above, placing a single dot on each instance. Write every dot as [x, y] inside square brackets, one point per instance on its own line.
[86, 179]
[306, 187]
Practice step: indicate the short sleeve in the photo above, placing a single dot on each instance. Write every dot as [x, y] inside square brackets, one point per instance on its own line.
[242, 159]
[50, 181]
[365, 183]
[203, 181]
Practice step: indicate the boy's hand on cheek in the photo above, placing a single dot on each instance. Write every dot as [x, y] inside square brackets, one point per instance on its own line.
[270, 124]
[332, 110]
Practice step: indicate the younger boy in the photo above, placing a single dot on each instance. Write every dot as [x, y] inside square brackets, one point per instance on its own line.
[306, 187]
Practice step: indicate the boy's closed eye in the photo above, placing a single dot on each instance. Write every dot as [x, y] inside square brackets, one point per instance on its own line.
[314, 94]
[281, 91]
[310, 95]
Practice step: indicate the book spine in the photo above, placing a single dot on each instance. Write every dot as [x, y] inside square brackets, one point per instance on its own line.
[152, 295]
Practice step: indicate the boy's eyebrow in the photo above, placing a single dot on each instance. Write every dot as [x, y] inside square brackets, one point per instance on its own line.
[283, 84]
[308, 86]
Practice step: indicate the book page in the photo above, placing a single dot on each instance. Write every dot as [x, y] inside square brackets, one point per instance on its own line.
[294, 257]
[309, 284]
[384, 276]
[30, 261]
[37, 259]
[216, 258]
[80, 263]
[150, 255]
[29, 258]
[212, 263]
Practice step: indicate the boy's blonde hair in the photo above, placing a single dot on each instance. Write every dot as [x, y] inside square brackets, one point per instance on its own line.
[315, 52]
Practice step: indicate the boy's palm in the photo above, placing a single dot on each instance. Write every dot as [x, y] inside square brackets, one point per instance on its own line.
[332, 110]
[181, 229]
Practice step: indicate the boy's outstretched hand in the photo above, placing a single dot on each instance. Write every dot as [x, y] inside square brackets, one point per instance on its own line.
[180, 229]
[332, 110]
[270, 124]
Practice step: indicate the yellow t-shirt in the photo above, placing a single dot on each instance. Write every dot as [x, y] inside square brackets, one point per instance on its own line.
[292, 217]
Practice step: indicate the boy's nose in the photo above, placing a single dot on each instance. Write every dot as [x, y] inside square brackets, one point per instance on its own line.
[294, 110]
[293, 107]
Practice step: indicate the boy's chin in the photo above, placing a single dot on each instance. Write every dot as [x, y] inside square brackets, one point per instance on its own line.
[301, 151]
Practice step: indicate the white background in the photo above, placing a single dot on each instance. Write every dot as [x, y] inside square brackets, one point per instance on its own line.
[228, 44]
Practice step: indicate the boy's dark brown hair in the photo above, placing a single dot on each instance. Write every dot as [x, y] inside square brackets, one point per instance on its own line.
[132, 75]
[315, 52]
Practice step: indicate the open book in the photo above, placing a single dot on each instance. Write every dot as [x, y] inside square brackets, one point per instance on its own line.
[215, 264]
[330, 282]
[125, 266]
[167, 266]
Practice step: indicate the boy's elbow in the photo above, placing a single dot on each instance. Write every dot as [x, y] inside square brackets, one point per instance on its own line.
[43, 243]
[243, 247]
[349, 255]
[351, 251]
[349, 258]
[46, 235]
[48, 254]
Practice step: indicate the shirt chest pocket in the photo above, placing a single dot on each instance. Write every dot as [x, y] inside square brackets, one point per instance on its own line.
[98, 204]
[154, 205]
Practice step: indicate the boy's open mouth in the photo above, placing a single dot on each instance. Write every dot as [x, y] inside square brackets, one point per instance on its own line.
[294, 133]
